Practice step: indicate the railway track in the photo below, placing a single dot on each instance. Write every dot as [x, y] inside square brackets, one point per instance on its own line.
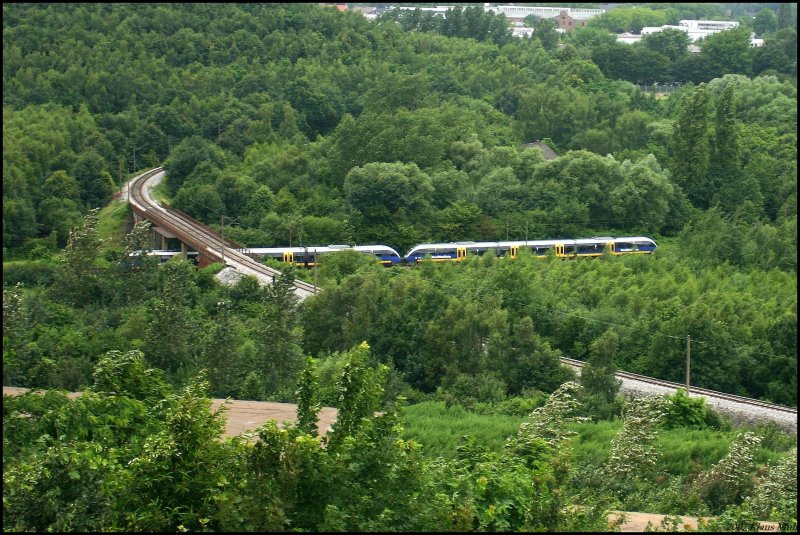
[208, 242]
[729, 403]
[199, 236]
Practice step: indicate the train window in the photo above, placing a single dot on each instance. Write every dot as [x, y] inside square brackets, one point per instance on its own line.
[569, 249]
[590, 248]
[624, 246]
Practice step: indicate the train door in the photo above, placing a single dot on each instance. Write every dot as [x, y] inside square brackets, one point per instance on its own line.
[610, 247]
[288, 257]
[560, 250]
[514, 250]
[461, 253]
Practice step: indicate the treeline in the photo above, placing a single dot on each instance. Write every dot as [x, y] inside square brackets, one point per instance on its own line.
[662, 57]
[276, 114]
[483, 331]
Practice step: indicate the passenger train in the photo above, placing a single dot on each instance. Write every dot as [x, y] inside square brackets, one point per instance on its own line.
[449, 252]
[309, 256]
[584, 247]
[164, 255]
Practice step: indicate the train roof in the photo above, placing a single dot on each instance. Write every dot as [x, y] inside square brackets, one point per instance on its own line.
[375, 249]
[319, 249]
[526, 243]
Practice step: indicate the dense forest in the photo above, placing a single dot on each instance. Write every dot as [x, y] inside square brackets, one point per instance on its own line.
[305, 125]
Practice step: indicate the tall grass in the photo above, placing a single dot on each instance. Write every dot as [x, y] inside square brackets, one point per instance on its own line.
[438, 427]
[682, 451]
[111, 224]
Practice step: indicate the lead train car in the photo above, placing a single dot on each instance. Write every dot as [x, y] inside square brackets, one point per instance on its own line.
[309, 256]
[584, 247]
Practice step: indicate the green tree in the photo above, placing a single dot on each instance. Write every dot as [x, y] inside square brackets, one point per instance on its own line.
[645, 196]
[360, 393]
[91, 175]
[765, 21]
[669, 42]
[725, 173]
[684, 411]
[634, 451]
[178, 479]
[728, 481]
[127, 375]
[307, 404]
[690, 149]
[186, 156]
[728, 52]
[531, 362]
[545, 31]
[387, 194]
[600, 386]
[19, 221]
[59, 215]
[77, 279]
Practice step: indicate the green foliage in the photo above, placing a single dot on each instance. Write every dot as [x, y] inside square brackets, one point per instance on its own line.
[29, 273]
[307, 405]
[317, 126]
[728, 481]
[633, 451]
[176, 480]
[360, 391]
[128, 375]
[776, 492]
[77, 281]
[683, 411]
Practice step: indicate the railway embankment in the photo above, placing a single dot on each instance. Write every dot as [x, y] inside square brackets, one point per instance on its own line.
[739, 409]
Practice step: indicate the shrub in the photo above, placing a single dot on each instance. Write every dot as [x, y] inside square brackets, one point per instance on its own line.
[683, 411]
[28, 273]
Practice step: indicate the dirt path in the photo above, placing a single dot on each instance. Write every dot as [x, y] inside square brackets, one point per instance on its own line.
[242, 415]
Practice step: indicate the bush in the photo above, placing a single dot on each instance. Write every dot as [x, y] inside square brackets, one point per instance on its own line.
[521, 406]
[470, 390]
[683, 411]
[29, 273]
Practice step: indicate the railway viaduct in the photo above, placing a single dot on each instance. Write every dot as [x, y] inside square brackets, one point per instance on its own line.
[170, 223]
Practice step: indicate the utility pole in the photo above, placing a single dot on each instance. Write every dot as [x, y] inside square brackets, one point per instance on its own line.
[134, 155]
[688, 358]
[222, 236]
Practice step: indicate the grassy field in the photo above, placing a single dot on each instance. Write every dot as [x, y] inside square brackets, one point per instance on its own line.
[683, 451]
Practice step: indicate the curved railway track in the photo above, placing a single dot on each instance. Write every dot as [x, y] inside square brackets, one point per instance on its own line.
[199, 236]
[208, 242]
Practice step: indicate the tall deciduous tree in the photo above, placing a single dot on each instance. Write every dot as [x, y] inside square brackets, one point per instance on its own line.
[76, 281]
[725, 173]
[690, 147]
[765, 22]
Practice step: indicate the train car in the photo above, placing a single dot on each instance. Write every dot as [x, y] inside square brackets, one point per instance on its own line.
[385, 254]
[634, 245]
[562, 248]
[310, 256]
[164, 255]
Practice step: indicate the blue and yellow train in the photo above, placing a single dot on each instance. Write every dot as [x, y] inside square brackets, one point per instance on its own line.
[584, 247]
[450, 252]
[457, 251]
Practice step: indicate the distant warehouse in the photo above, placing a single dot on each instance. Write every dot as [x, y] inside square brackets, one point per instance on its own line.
[566, 18]
[696, 29]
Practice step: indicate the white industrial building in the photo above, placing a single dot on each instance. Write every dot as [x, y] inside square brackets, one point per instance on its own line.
[697, 29]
